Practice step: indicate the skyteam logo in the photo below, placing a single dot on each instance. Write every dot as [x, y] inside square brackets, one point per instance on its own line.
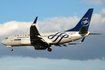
[58, 36]
[85, 21]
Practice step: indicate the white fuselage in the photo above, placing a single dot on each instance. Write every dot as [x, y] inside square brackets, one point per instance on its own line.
[42, 41]
[50, 38]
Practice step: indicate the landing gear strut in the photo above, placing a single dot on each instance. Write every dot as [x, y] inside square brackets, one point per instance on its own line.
[49, 49]
[11, 48]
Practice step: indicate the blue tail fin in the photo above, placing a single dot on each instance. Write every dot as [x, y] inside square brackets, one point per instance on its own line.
[85, 21]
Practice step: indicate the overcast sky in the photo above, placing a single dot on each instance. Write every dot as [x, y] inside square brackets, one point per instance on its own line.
[16, 17]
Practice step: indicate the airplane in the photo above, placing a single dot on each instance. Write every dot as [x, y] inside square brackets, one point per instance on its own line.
[43, 41]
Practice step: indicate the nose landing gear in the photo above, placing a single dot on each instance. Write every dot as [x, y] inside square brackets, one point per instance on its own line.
[11, 48]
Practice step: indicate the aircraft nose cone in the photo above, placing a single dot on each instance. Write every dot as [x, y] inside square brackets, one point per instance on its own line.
[2, 42]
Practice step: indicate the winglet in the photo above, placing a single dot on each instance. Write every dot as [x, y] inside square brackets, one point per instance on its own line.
[35, 20]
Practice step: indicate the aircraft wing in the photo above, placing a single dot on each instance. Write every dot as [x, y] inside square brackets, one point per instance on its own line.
[35, 37]
[33, 30]
[34, 34]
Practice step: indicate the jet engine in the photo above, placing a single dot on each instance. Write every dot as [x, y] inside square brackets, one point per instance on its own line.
[40, 48]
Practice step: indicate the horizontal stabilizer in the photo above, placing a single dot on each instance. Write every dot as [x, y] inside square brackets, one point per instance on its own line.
[95, 34]
[83, 30]
[76, 43]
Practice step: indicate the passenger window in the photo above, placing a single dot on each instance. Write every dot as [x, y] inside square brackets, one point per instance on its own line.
[17, 39]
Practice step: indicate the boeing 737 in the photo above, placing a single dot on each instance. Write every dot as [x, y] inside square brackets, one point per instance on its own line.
[43, 41]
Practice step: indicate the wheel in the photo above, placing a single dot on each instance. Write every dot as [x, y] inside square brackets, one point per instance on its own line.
[49, 49]
[11, 49]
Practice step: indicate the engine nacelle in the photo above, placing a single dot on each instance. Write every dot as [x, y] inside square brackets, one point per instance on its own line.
[40, 48]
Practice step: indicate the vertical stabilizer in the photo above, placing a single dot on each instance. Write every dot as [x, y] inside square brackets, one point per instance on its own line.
[85, 21]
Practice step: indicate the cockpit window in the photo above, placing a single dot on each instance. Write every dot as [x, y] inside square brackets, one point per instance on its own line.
[6, 38]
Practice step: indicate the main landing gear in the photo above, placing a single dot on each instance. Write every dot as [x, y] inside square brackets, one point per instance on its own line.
[49, 49]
